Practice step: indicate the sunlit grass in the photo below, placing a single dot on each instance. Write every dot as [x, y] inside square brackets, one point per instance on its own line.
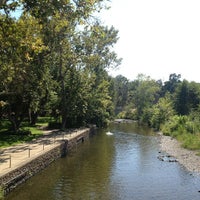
[27, 132]
[43, 121]
[7, 139]
[190, 141]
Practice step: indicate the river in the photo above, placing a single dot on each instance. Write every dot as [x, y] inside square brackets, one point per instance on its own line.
[122, 166]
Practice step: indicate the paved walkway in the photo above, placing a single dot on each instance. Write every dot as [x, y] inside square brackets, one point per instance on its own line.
[14, 156]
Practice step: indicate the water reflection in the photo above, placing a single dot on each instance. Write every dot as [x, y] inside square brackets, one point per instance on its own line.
[121, 166]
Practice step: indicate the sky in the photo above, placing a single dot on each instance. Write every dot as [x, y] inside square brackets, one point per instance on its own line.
[156, 37]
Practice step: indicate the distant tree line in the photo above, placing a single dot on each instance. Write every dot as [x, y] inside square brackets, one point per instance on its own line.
[172, 107]
[53, 62]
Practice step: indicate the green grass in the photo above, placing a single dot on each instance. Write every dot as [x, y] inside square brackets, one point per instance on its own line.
[184, 130]
[43, 121]
[190, 141]
[8, 138]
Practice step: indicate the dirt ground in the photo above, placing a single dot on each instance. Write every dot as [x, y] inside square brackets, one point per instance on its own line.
[189, 159]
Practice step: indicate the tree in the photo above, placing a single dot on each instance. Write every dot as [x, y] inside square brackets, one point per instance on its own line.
[21, 68]
[97, 58]
[121, 92]
[187, 97]
[172, 83]
[38, 82]
[13, 70]
[181, 98]
[56, 54]
[145, 95]
[161, 112]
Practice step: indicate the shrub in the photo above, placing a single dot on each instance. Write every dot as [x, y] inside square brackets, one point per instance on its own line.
[175, 126]
[190, 141]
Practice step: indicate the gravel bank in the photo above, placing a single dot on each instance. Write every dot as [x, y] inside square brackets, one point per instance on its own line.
[185, 157]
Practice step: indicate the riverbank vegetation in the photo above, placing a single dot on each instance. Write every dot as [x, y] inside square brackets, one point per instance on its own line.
[172, 107]
[54, 63]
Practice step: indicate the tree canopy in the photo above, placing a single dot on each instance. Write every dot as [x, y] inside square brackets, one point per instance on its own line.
[54, 61]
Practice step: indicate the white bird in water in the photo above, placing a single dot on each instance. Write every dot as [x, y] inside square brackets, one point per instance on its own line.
[109, 133]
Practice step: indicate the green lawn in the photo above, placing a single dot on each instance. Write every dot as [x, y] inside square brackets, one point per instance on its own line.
[8, 138]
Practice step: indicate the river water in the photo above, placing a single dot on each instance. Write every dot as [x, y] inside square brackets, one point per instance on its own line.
[122, 166]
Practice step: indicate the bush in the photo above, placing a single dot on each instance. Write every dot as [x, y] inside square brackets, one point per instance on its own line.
[182, 128]
[190, 141]
[175, 126]
[128, 114]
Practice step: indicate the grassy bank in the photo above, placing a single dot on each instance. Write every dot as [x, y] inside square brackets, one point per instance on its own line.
[8, 138]
[190, 141]
[184, 130]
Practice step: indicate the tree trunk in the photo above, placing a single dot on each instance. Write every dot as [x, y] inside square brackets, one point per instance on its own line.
[63, 95]
[15, 123]
[33, 116]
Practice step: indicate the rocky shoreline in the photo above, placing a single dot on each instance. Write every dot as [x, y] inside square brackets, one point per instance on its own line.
[189, 159]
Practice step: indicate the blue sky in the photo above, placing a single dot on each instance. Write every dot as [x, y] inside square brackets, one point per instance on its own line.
[157, 37]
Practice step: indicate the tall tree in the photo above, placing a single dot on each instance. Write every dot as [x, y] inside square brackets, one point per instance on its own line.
[181, 99]
[12, 70]
[187, 97]
[97, 58]
[161, 112]
[121, 86]
[22, 75]
[172, 83]
[146, 94]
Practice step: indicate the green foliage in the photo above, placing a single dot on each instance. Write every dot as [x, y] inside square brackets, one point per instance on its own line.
[26, 132]
[187, 97]
[171, 85]
[128, 114]
[145, 96]
[189, 141]
[43, 121]
[172, 107]
[54, 60]
[100, 107]
[175, 126]
[161, 112]
[8, 138]
[121, 93]
[182, 98]
[24, 79]
[184, 129]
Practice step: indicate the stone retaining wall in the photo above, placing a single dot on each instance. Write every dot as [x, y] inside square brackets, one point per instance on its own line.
[12, 179]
